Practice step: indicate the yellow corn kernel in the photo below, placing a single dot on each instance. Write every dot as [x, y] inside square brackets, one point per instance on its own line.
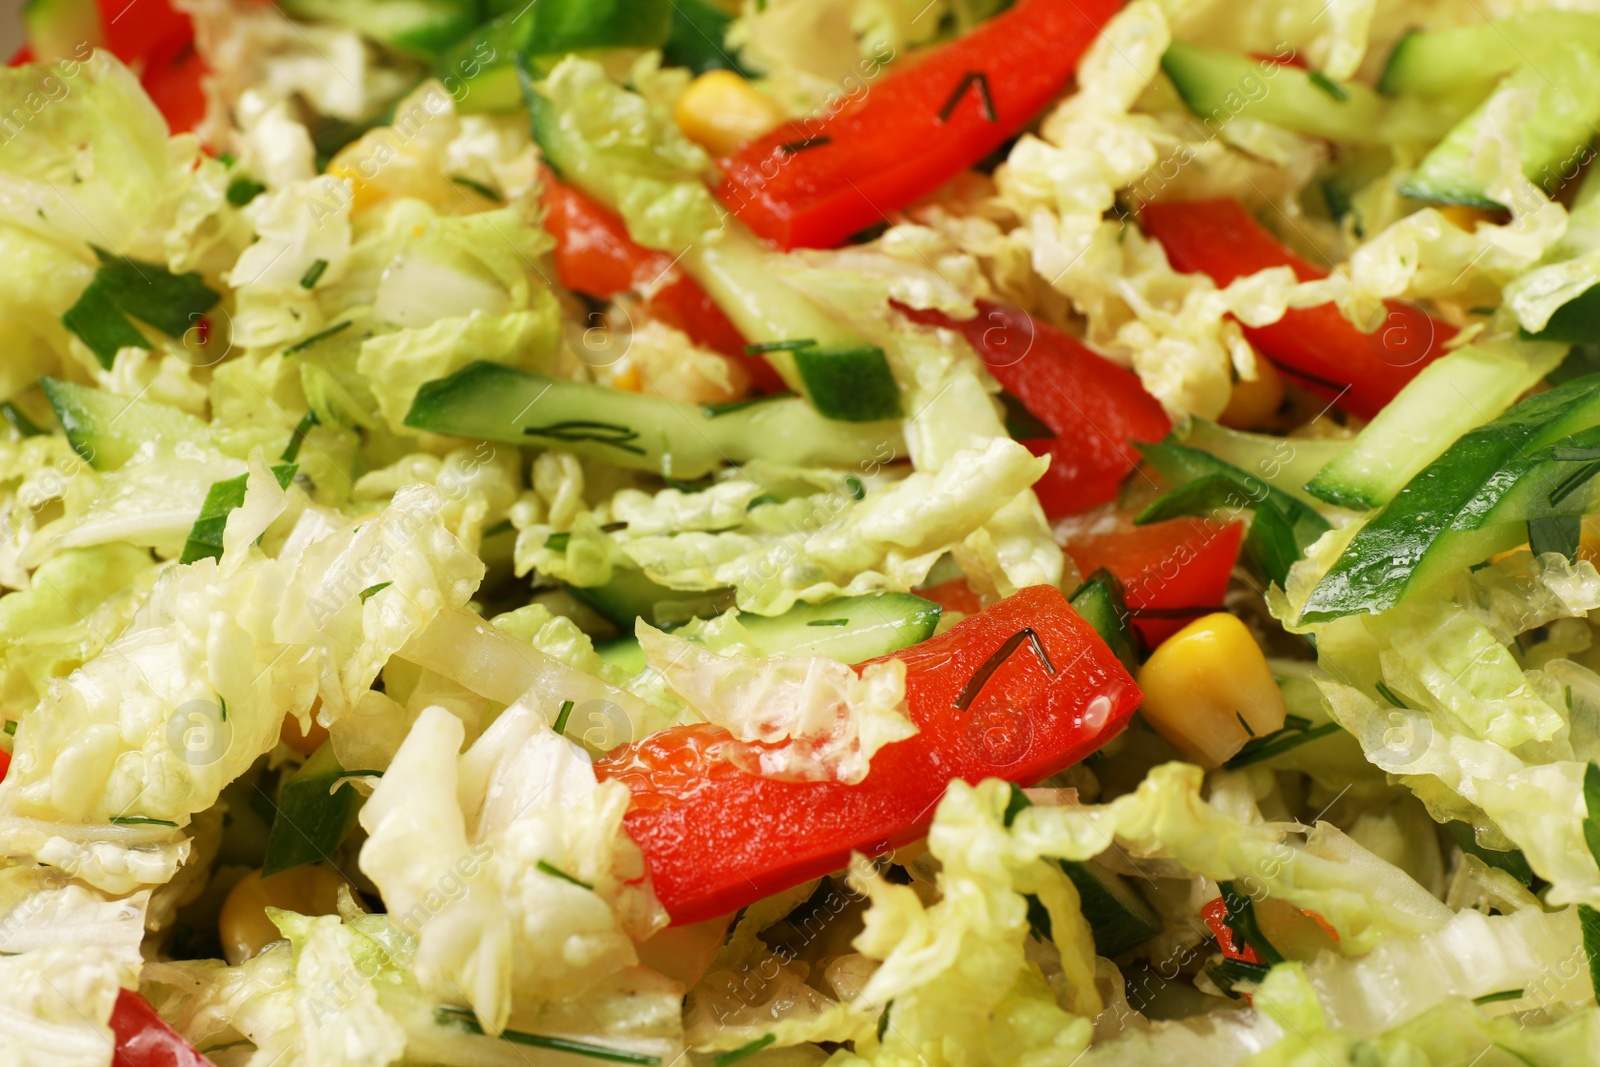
[363, 194]
[1251, 404]
[628, 378]
[1465, 218]
[1208, 690]
[243, 924]
[721, 111]
[303, 743]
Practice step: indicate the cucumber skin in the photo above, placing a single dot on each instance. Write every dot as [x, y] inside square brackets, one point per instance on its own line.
[1473, 501]
[433, 27]
[1215, 83]
[1570, 118]
[900, 620]
[1389, 452]
[106, 430]
[1444, 61]
[1577, 322]
[1100, 602]
[1118, 917]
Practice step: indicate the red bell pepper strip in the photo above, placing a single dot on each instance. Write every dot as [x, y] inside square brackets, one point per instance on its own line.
[1215, 915]
[1172, 572]
[143, 1038]
[1360, 372]
[816, 181]
[594, 255]
[5, 764]
[1094, 407]
[174, 85]
[987, 704]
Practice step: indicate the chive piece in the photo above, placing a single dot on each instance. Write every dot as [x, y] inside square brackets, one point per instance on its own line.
[561, 717]
[1493, 998]
[779, 346]
[792, 147]
[1227, 973]
[745, 1050]
[975, 684]
[858, 492]
[244, 189]
[829, 622]
[478, 187]
[985, 98]
[1328, 85]
[97, 322]
[503, 526]
[140, 820]
[373, 590]
[205, 536]
[19, 422]
[1591, 809]
[1388, 694]
[313, 274]
[11, 727]
[603, 433]
[1241, 919]
[1015, 805]
[222, 706]
[1277, 743]
[226, 159]
[557, 542]
[730, 406]
[1237, 714]
[316, 338]
[1561, 534]
[764, 498]
[883, 1020]
[291, 451]
[467, 1021]
[556, 872]
[1573, 482]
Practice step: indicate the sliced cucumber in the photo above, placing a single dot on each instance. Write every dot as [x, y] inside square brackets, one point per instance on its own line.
[1446, 61]
[420, 28]
[1454, 394]
[1558, 131]
[311, 818]
[1219, 86]
[1473, 501]
[1286, 463]
[630, 595]
[107, 429]
[850, 629]
[1099, 600]
[1354, 188]
[58, 29]
[699, 38]
[845, 377]
[491, 402]
[1577, 322]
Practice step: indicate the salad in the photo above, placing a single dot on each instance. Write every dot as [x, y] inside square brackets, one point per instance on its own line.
[878, 533]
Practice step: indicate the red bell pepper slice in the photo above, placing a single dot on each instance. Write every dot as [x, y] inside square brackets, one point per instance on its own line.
[816, 181]
[1215, 914]
[987, 705]
[174, 85]
[1318, 346]
[1094, 407]
[595, 255]
[1172, 572]
[145, 1040]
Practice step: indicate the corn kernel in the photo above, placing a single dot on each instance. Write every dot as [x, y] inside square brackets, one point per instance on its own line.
[721, 111]
[303, 743]
[1465, 218]
[1251, 404]
[243, 924]
[1208, 690]
[363, 194]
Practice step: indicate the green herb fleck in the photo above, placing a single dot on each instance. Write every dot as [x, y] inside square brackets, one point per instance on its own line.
[1237, 714]
[244, 189]
[883, 1021]
[729, 407]
[313, 274]
[556, 872]
[140, 820]
[853, 486]
[1494, 998]
[467, 1021]
[829, 622]
[1388, 694]
[478, 187]
[557, 542]
[561, 717]
[745, 1050]
[779, 346]
[316, 338]
[373, 590]
[1241, 919]
[1328, 85]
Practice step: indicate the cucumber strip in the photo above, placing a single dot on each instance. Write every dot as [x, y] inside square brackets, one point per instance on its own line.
[844, 376]
[1473, 501]
[309, 823]
[630, 595]
[1353, 188]
[491, 402]
[1576, 322]
[1560, 129]
[1454, 394]
[850, 629]
[419, 28]
[699, 38]
[1219, 86]
[1283, 526]
[1286, 463]
[1099, 600]
[1447, 61]
[107, 429]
